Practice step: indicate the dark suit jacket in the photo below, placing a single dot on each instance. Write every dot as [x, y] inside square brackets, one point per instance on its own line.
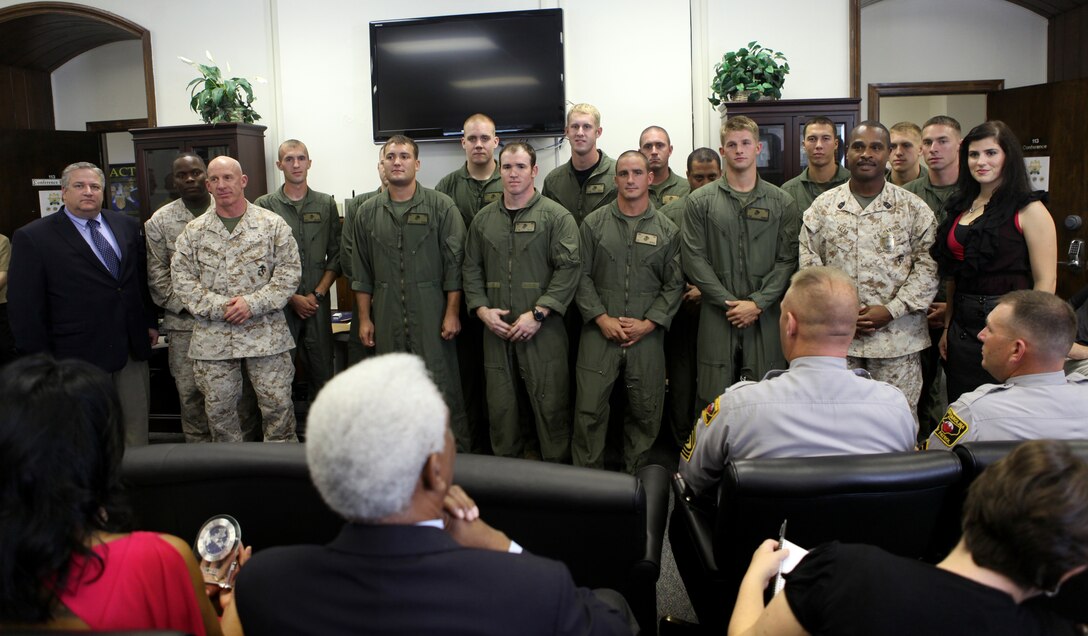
[413, 580]
[62, 299]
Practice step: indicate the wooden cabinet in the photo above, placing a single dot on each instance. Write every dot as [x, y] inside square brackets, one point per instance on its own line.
[781, 129]
[156, 149]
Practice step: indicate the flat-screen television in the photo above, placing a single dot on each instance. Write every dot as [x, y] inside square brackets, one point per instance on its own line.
[429, 74]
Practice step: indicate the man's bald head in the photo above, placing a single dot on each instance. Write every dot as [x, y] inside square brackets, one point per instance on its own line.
[225, 162]
[227, 184]
[819, 313]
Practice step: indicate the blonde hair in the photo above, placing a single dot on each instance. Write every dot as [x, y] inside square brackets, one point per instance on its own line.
[585, 109]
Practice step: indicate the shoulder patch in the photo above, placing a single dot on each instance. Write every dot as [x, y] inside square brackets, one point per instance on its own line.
[951, 429]
[711, 411]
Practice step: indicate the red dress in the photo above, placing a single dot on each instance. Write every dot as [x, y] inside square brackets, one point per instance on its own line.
[145, 584]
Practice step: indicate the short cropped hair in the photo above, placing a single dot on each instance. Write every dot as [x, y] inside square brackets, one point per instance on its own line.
[872, 123]
[1043, 319]
[478, 117]
[704, 155]
[1026, 516]
[818, 121]
[740, 123]
[519, 145]
[401, 140]
[585, 109]
[825, 299]
[81, 165]
[907, 128]
[369, 433]
[291, 143]
[632, 153]
[668, 139]
[188, 154]
[944, 120]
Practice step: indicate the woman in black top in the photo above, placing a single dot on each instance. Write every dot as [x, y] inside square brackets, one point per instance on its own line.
[997, 237]
[1025, 533]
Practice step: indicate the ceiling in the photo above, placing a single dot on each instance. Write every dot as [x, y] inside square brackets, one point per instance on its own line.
[45, 41]
[1046, 8]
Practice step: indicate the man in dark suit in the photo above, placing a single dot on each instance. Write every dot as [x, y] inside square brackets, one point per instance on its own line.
[414, 557]
[78, 289]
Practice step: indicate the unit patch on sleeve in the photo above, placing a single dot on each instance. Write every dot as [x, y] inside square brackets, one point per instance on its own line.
[689, 446]
[951, 429]
[711, 411]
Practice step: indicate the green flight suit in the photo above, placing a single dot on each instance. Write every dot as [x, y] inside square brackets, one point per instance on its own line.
[804, 190]
[598, 190]
[922, 172]
[515, 264]
[316, 228]
[629, 269]
[408, 263]
[669, 190]
[681, 350]
[733, 251]
[934, 400]
[356, 351]
[471, 195]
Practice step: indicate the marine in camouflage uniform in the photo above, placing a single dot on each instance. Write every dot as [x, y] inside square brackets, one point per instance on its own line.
[885, 249]
[162, 231]
[259, 262]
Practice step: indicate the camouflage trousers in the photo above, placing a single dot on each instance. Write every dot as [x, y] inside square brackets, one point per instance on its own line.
[904, 373]
[221, 383]
[194, 419]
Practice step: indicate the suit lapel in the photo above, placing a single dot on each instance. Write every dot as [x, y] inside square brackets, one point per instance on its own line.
[70, 233]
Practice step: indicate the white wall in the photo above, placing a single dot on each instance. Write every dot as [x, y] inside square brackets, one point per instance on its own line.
[940, 40]
[82, 92]
[641, 62]
[969, 110]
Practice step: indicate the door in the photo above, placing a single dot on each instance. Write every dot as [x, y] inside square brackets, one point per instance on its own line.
[1049, 121]
[40, 154]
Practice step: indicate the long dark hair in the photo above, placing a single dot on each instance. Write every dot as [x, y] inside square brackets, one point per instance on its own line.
[1015, 184]
[61, 443]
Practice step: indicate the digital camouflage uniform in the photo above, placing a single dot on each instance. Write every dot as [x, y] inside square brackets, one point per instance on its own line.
[629, 269]
[162, 231]
[599, 189]
[515, 264]
[681, 350]
[471, 195]
[315, 224]
[669, 190]
[259, 262]
[934, 398]
[804, 190]
[408, 264]
[885, 249]
[732, 251]
[356, 350]
[1035, 406]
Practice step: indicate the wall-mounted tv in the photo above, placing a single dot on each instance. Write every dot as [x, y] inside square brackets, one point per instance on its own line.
[429, 74]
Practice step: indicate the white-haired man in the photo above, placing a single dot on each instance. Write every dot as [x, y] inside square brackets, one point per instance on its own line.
[414, 557]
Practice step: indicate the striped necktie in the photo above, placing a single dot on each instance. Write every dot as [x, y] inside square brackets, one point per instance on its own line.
[103, 246]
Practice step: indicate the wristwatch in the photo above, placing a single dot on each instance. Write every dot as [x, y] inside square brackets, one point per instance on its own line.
[318, 295]
[538, 315]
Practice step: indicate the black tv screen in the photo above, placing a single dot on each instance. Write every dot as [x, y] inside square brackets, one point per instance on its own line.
[429, 74]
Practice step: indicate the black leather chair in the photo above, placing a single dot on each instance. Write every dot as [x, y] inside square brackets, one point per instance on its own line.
[608, 528]
[888, 500]
[976, 457]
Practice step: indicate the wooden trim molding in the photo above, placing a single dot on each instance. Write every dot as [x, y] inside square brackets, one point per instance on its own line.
[855, 49]
[968, 87]
[117, 125]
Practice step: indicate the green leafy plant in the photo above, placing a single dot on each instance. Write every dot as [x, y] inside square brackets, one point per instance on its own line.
[219, 100]
[753, 69]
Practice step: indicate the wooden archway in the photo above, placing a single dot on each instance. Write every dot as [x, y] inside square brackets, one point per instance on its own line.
[36, 38]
